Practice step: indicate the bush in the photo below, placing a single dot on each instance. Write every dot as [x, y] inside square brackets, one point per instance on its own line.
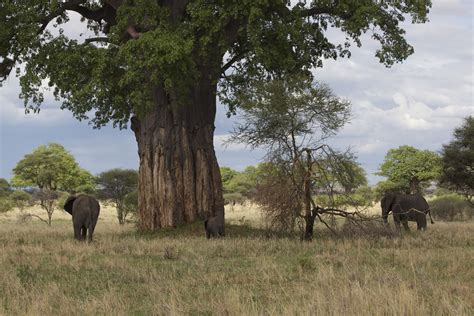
[20, 199]
[451, 207]
[6, 205]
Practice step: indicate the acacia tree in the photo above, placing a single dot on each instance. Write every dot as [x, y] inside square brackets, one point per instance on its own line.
[458, 161]
[291, 118]
[409, 169]
[50, 168]
[116, 184]
[157, 64]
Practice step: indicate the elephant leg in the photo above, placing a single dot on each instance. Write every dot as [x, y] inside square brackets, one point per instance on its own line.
[421, 221]
[396, 220]
[90, 232]
[77, 231]
[83, 232]
[405, 224]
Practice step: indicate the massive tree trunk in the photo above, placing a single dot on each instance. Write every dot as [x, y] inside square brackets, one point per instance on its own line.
[179, 178]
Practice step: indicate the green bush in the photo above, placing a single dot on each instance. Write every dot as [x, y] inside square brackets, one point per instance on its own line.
[451, 207]
[6, 205]
[20, 199]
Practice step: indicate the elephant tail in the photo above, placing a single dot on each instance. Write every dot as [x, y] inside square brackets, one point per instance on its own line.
[431, 218]
[205, 224]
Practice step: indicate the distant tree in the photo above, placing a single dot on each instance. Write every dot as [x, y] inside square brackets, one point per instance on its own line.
[458, 161]
[115, 184]
[353, 177]
[130, 204]
[5, 188]
[51, 169]
[20, 199]
[227, 174]
[409, 169]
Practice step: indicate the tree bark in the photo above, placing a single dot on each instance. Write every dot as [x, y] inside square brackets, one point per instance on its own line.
[309, 216]
[179, 177]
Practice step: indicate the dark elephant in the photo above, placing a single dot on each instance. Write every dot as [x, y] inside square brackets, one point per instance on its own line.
[214, 226]
[85, 211]
[406, 207]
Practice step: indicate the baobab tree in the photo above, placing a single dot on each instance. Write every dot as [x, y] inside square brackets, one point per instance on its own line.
[159, 64]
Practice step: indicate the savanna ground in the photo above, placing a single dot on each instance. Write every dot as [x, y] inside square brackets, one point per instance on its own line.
[250, 272]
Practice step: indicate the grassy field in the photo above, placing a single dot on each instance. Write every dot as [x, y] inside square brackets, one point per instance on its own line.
[174, 272]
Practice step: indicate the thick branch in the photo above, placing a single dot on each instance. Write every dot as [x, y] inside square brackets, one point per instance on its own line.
[69, 5]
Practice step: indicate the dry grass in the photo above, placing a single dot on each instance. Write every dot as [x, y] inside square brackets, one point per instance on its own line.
[173, 272]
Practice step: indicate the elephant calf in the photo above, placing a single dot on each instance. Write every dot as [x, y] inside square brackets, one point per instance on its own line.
[85, 211]
[214, 226]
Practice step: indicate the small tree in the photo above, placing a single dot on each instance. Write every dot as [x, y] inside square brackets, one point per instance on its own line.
[458, 161]
[409, 169]
[115, 184]
[5, 188]
[291, 118]
[130, 204]
[20, 199]
[49, 168]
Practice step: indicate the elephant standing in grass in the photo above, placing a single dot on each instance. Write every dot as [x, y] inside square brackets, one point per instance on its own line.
[214, 226]
[85, 211]
[406, 207]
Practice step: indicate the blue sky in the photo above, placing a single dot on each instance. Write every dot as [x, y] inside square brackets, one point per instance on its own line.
[416, 103]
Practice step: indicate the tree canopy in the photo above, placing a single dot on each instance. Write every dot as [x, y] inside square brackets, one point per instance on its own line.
[51, 167]
[409, 169]
[143, 43]
[458, 160]
[116, 184]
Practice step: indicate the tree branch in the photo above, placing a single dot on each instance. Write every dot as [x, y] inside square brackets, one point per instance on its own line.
[106, 13]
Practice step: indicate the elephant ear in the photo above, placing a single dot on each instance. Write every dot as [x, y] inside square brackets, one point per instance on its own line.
[68, 204]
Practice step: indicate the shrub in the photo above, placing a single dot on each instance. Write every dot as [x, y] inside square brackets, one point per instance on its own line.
[6, 205]
[451, 207]
[20, 199]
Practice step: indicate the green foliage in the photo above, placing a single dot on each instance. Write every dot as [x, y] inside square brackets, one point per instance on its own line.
[409, 169]
[130, 203]
[458, 161]
[451, 207]
[146, 44]
[50, 167]
[238, 186]
[20, 199]
[6, 204]
[341, 201]
[339, 172]
[233, 198]
[115, 184]
[5, 188]
[227, 174]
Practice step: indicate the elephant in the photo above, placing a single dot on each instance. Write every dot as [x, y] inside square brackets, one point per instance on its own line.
[85, 211]
[214, 226]
[406, 207]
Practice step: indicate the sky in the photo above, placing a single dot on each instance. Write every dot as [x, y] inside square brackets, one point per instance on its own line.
[416, 103]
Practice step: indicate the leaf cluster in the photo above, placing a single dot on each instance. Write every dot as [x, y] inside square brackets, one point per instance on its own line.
[50, 167]
[458, 160]
[407, 167]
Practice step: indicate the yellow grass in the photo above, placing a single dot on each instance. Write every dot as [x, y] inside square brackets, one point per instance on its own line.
[175, 272]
